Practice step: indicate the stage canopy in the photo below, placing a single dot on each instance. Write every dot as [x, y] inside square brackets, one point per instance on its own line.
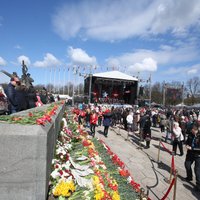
[111, 87]
[115, 75]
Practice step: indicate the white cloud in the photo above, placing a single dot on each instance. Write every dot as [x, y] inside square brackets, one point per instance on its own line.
[192, 71]
[149, 60]
[80, 57]
[49, 61]
[115, 20]
[17, 46]
[148, 64]
[182, 71]
[25, 59]
[2, 61]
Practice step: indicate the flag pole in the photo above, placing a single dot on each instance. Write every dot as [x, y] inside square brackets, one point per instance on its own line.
[54, 82]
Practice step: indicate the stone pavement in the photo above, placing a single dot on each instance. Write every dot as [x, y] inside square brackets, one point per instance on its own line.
[143, 165]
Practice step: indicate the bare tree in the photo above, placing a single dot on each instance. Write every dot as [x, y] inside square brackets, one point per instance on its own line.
[193, 88]
[156, 93]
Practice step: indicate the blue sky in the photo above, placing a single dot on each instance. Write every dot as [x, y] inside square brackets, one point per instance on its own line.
[56, 38]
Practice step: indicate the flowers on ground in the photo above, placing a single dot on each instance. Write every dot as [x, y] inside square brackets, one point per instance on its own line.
[85, 167]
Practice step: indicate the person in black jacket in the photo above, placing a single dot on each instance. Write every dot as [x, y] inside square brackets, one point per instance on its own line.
[107, 116]
[12, 94]
[147, 130]
[32, 98]
[21, 98]
[193, 155]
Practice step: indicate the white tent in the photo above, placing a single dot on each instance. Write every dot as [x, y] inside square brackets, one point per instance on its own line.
[180, 105]
[115, 75]
[63, 96]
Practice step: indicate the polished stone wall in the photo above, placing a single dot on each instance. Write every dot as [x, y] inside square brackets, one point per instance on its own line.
[26, 152]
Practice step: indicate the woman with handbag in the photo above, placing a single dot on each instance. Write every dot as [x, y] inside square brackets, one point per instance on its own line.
[178, 138]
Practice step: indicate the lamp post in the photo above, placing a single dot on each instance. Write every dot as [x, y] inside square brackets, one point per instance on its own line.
[164, 88]
[90, 87]
[73, 94]
[150, 90]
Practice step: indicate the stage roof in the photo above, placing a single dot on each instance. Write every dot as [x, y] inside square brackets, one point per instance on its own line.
[115, 75]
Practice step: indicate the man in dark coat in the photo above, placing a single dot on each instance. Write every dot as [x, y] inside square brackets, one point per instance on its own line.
[22, 98]
[147, 130]
[12, 94]
[106, 121]
[193, 155]
[32, 98]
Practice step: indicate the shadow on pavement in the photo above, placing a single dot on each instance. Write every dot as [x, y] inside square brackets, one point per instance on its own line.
[161, 148]
[192, 190]
[101, 133]
[150, 187]
[136, 140]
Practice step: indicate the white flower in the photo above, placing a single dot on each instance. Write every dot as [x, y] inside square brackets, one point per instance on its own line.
[105, 146]
[65, 122]
[55, 174]
[104, 167]
[66, 165]
[86, 195]
[98, 159]
[60, 150]
[129, 179]
[54, 161]
[67, 146]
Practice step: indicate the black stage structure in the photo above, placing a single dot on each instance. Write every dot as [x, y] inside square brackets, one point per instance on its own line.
[112, 87]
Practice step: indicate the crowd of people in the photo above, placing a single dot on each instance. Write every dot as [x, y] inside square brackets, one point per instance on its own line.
[17, 97]
[178, 127]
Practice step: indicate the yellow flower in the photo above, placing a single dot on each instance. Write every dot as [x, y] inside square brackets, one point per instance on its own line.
[115, 196]
[64, 189]
[96, 180]
[99, 194]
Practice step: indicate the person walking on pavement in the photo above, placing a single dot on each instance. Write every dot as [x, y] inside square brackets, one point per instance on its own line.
[193, 155]
[107, 115]
[169, 129]
[93, 122]
[147, 130]
[178, 138]
[141, 129]
[129, 120]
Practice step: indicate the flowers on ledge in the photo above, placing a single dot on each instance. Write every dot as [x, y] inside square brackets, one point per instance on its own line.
[35, 117]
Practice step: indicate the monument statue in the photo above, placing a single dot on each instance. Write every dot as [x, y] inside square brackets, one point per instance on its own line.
[14, 74]
[25, 78]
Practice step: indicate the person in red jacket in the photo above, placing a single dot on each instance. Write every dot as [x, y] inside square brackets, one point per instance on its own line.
[93, 122]
[81, 117]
